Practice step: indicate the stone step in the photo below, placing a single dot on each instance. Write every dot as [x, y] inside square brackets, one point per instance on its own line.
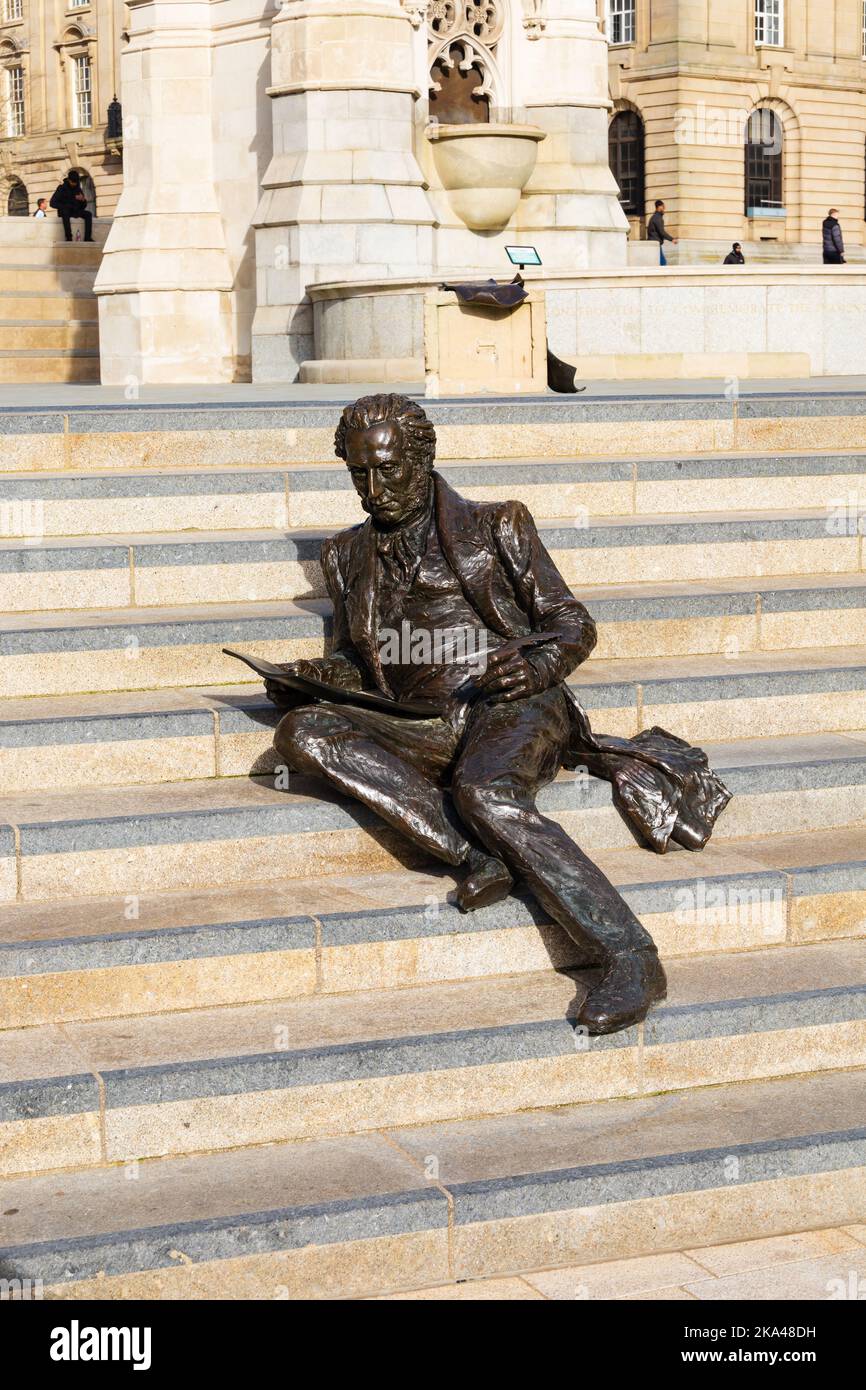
[239, 831]
[133, 435]
[74, 278]
[63, 365]
[299, 1069]
[38, 335]
[107, 957]
[429, 1204]
[127, 649]
[30, 305]
[266, 496]
[29, 233]
[100, 740]
[814, 1264]
[59, 255]
[292, 1070]
[265, 566]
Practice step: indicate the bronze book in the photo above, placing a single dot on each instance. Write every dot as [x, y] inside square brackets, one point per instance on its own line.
[320, 690]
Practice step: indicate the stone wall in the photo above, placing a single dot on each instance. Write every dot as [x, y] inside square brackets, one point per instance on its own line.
[634, 322]
[699, 322]
[176, 286]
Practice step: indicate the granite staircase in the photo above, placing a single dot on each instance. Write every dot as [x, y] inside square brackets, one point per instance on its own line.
[49, 328]
[250, 1049]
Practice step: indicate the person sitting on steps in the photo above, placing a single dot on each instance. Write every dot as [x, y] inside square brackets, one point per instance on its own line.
[68, 200]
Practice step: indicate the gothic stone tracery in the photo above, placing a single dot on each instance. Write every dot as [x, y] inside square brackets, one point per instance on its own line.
[462, 40]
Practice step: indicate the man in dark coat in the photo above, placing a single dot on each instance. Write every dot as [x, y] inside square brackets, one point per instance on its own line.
[69, 201]
[834, 247]
[461, 784]
[656, 231]
[735, 255]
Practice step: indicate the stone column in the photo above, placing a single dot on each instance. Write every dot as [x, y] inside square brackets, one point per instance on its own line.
[164, 286]
[343, 197]
[561, 80]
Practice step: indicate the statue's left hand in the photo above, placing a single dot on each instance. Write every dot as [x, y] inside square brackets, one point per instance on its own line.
[509, 676]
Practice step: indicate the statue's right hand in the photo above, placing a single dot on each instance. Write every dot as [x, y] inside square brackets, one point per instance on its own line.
[281, 696]
[277, 694]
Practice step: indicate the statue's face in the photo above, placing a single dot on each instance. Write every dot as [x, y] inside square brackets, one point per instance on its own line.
[392, 488]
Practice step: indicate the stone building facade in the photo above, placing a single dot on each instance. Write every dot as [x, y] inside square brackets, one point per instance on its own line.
[59, 71]
[747, 117]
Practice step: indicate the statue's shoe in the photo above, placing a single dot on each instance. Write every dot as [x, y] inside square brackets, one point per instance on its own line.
[488, 882]
[632, 982]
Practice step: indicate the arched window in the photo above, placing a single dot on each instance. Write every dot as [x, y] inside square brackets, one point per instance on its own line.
[625, 153]
[764, 162]
[17, 204]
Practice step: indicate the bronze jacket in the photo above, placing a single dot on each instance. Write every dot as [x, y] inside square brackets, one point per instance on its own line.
[504, 571]
[662, 785]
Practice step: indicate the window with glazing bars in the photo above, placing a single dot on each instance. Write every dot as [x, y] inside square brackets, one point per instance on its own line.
[82, 95]
[770, 22]
[14, 83]
[620, 21]
[626, 158]
[763, 160]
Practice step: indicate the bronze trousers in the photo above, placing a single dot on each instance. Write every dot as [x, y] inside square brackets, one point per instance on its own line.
[448, 787]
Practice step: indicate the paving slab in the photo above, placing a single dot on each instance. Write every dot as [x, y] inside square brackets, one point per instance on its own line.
[835, 1277]
[748, 1255]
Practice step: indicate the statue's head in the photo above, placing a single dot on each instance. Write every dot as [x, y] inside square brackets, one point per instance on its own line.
[389, 447]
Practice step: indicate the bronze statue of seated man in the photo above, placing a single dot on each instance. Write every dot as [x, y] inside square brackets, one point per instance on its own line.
[462, 783]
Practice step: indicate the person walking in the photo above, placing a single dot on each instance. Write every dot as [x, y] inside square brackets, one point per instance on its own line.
[69, 201]
[834, 246]
[735, 255]
[41, 207]
[656, 230]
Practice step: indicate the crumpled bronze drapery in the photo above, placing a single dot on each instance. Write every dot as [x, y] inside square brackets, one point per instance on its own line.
[491, 293]
[663, 786]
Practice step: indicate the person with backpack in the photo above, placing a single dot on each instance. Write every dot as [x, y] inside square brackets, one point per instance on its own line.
[69, 201]
[735, 255]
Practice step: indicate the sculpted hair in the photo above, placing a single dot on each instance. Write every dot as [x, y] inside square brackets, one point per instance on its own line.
[416, 431]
